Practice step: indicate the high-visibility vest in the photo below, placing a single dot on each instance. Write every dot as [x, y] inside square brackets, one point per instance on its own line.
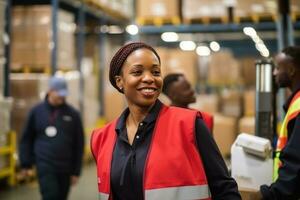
[293, 111]
[173, 168]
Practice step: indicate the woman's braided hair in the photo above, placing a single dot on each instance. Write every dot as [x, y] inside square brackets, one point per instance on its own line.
[119, 58]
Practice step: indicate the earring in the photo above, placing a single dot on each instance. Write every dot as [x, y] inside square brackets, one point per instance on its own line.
[121, 88]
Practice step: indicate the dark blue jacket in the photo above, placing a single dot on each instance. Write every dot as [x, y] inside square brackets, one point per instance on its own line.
[61, 153]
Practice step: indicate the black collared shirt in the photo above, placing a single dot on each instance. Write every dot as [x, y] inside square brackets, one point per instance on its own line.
[129, 160]
[287, 185]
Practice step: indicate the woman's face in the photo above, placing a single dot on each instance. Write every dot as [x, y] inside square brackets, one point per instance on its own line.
[140, 78]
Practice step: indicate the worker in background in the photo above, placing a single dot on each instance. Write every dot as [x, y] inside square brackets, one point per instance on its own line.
[53, 141]
[153, 151]
[181, 94]
[287, 156]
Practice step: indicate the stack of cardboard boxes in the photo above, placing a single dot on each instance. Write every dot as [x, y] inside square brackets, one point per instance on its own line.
[255, 8]
[32, 38]
[124, 7]
[27, 90]
[165, 9]
[177, 61]
[247, 122]
[248, 71]
[195, 9]
[219, 66]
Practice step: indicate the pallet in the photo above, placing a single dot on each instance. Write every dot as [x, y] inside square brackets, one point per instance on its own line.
[255, 18]
[295, 16]
[10, 151]
[158, 21]
[106, 9]
[29, 69]
[207, 20]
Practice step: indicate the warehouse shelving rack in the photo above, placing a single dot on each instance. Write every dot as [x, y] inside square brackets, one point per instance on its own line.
[9, 151]
[284, 27]
[81, 10]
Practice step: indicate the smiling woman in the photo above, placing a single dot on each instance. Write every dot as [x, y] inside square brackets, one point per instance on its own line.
[153, 151]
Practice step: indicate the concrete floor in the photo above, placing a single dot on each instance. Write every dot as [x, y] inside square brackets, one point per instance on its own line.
[85, 189]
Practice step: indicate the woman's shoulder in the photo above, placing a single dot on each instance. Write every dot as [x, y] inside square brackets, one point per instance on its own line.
[106, 127]
[175, 109]
[178, 112]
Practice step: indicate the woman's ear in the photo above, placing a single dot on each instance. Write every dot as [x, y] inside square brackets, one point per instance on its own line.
[291, 70]
[119, 82]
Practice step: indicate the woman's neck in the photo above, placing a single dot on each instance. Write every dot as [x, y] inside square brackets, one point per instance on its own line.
[137, 114]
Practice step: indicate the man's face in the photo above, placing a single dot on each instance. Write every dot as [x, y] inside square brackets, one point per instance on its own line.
[283, 69]
[181, 92]
[55, 99]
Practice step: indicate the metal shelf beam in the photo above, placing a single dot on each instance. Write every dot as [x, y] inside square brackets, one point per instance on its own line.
[7, 48]
[211, 28]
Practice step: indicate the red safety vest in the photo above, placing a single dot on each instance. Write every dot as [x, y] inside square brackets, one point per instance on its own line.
[293, 111]
[173, 168]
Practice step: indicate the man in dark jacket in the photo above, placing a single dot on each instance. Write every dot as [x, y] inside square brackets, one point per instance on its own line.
[287, 160]
[53, 141]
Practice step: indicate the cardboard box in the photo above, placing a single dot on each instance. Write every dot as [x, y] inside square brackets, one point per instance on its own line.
[5, 114]
[2, 12]
[19, 84]
[90, 112]
[248, 71]
[255, 7]
[295, 6]
[20, 111]
[231, 103]
[195, 9]
[218, 67]
[225, 132]
[247, 125]
[114, 103]
[207, 103]
[249, 102]
[32, 37]
[91, 87]
[157, 8]
[182, 62]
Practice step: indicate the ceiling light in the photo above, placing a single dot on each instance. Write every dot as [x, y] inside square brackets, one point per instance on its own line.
[249, 31]
[214, 46]
[203, 51]
[169, 37]
[187, 45]
[132, 29]
[113, 29]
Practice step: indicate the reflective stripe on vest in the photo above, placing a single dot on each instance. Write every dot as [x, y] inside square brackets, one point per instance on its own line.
[103, 196]
[292, 112]
[178, 193]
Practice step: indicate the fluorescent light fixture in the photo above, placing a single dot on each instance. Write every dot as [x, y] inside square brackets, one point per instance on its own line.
[169, 37]
[187, 45]
[203, 51]
[132, 29]
[260, 46]
[104, 29]
[249, 31]
[214, 46]
[256, 39]
[113, 29]
[265, 53]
